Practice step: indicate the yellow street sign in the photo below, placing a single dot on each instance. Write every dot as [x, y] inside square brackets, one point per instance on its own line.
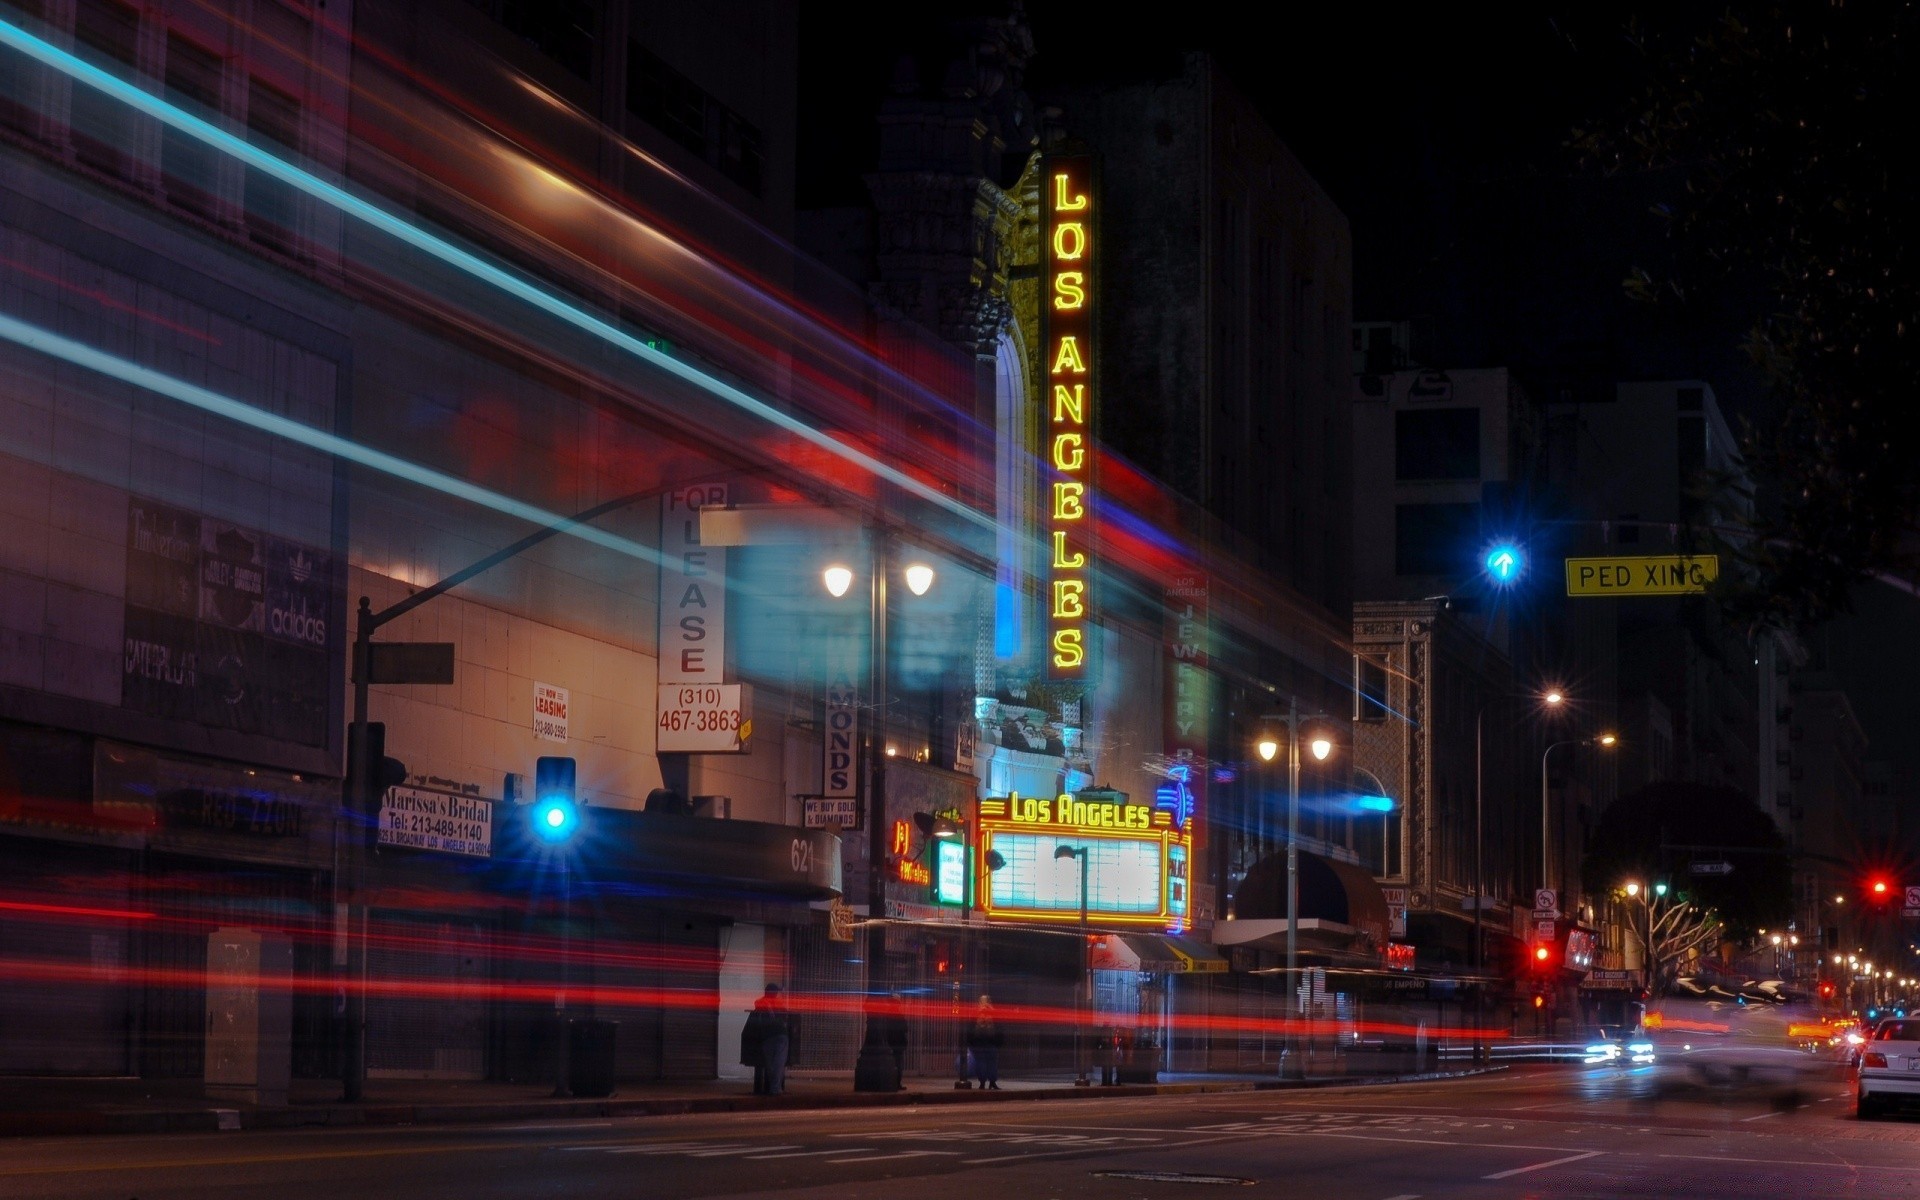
[1642, 575]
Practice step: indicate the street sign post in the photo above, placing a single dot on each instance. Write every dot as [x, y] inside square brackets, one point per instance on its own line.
[1642, 575]
[1710, 868]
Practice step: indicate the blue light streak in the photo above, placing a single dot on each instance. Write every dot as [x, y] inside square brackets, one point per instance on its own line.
[80, 354]
[401, 230]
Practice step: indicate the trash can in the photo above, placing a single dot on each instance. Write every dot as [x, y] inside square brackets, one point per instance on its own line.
[590, 1056]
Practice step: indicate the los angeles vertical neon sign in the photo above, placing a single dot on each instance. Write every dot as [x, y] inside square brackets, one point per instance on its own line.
[1067, 306]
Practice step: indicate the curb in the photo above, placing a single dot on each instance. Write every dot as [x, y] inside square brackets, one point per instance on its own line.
[84, 1122]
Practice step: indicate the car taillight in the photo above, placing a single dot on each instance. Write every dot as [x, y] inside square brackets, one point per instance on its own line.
[1874, 1059]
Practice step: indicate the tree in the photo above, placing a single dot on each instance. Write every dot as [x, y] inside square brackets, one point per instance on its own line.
[1782, 133]
[1633, 841]
[1672, 931]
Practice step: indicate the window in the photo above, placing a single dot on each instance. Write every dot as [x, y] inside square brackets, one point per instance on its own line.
[1434, 539]
[563, 30]
[694, 119]
[1436, 443]
[189, 167]
[103, 128]
[273, 122]
[1369, 689]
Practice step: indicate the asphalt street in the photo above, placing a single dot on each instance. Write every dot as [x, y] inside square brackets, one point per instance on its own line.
[1539, 1131]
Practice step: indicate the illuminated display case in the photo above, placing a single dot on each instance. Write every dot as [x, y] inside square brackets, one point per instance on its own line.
[1136, 859]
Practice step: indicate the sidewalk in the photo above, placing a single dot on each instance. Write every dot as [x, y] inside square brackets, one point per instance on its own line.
[43, 1105]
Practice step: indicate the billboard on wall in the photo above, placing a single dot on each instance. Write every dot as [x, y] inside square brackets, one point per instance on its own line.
[1132, 851]
[227, 626]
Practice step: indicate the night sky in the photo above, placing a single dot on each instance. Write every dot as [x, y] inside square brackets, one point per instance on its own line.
[1442, 132]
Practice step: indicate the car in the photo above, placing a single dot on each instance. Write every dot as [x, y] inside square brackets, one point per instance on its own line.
[1618, 1046]
[1889, 1067]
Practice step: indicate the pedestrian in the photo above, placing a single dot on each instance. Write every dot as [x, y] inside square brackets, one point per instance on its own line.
[984, 1040]
[776, 1039]
[886, 1032]
[1106, 1054]
[753, 1037]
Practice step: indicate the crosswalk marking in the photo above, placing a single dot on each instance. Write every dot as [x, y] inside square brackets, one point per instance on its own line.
[902, 1154]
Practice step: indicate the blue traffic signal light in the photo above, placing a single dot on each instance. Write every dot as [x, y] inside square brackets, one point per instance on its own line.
[555, 813]
[1504, 562]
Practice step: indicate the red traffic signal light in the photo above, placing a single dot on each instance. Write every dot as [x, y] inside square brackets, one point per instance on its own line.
[1879, 887]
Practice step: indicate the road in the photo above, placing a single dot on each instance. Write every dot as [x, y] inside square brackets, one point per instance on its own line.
[1536, 1131]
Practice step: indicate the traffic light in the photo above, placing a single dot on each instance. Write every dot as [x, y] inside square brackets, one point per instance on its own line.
[1504, 563]
[368, 744]
[554, 813]
[1544, 957]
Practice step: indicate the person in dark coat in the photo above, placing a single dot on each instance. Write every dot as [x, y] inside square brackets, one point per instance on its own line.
[752, 1036]
[775, 1030]
[887, 1028]
[984, 1039]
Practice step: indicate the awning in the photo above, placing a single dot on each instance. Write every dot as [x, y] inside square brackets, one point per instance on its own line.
[1337, 895]
[1164, 952]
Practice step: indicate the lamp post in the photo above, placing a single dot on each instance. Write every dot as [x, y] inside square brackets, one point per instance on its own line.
[1268, 749]
[1553, 698]
[838, 578]
[1086, 967]
[1546, 871]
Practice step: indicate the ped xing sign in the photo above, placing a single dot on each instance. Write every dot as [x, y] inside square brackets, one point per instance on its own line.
[1642, 575]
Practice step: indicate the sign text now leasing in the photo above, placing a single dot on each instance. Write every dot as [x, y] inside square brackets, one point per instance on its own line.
[1642, 575]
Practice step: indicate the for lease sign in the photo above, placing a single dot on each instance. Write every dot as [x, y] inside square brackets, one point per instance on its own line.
[693, 589]
[550, 712]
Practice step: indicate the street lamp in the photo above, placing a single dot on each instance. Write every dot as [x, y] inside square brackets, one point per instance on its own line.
[1086, 967]
[838, 580]
[1605, 740]
[1552, 698]
[1267, 747]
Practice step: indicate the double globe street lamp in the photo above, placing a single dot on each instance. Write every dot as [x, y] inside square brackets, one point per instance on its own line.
[1268, 747]
[838, 580]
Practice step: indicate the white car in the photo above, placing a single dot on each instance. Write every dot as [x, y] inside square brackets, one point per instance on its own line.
[1889, 1067]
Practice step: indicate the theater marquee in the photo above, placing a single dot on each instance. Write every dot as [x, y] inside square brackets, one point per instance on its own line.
[1136, 859]
[1068, 312]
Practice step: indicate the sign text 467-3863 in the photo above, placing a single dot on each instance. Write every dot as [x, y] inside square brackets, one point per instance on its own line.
[703, 718]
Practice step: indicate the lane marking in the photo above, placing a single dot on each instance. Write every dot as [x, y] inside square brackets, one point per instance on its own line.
[1083, 1150]
[543, 1126]
[1763, 1116]
[725, 1151]
[1405, 1196]
[1541, 1166]
[814, 1153]
[1788, 1162]
[248, 1160]
[721, 1148]
[902, 1154]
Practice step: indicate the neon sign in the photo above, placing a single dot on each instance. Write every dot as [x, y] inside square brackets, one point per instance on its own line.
[1067, 306]
[908, 868]
[1135, 859]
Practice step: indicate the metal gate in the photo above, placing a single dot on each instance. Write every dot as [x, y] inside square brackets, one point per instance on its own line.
[428, 1019]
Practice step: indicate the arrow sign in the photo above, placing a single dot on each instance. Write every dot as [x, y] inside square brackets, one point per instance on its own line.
[1711, 868]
